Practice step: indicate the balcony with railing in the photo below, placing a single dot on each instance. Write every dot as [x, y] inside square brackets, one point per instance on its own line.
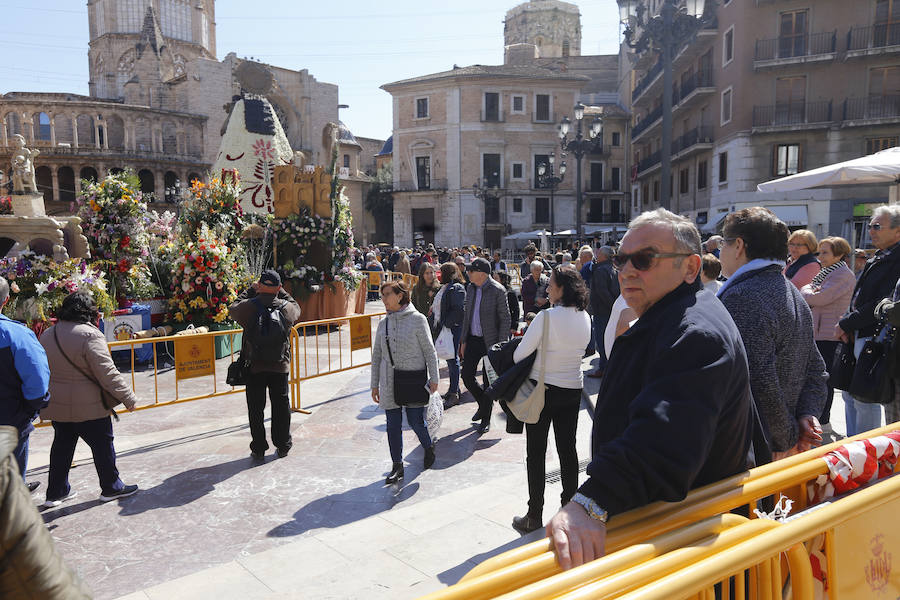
[883, 38]
[871, 110]
[598, 186]
[429, 184]
[599, 218]
[795, 49]
[695, 140]
[649, 162]
[697, 85]
[793, 115]
[652, 117]
[645, 81]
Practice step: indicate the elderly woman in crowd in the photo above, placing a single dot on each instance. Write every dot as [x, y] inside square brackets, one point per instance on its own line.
[402, 342]
[787, 373]
[85, 386]
[534, 289]
[448, 311]
[402, 265]
[802, 265]
[569, 332]
[828, 295]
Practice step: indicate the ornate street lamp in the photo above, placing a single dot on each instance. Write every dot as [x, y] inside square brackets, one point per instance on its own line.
[547, 179]
[579, 146]
[678, 21]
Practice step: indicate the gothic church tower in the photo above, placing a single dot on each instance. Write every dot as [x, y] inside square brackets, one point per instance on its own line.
[552, 26]
[124, 33]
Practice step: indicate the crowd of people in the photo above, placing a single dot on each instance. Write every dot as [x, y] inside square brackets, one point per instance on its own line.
[714, 357]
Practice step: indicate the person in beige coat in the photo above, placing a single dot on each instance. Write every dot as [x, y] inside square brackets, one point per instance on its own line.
[85, 386]
[828, 296]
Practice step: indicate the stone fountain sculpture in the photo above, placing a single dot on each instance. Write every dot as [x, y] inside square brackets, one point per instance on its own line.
[29, 224]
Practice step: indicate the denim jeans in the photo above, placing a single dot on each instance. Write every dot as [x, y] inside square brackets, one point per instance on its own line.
[860, 415]
[416, 419]
[21, 453]
[453, 363]
[98, 434]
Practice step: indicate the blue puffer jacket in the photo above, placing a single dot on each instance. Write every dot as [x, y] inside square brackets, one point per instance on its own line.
[24, 376]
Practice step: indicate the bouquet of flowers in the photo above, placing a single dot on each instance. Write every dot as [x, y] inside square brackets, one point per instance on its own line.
[38, 285]
[114, 220]
[163, 248]
[342, 268]
[216, 205]
[206, 278]
[6, 205]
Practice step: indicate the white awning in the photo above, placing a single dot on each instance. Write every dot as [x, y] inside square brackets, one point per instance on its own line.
[793, 215]
[712, 225]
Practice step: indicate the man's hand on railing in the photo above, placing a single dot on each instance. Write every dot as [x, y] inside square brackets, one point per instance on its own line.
[577, 538]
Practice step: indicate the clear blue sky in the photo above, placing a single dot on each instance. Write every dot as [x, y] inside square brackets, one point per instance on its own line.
[358, 45]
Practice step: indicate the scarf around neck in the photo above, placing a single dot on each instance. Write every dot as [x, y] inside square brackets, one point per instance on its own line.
[825, 272]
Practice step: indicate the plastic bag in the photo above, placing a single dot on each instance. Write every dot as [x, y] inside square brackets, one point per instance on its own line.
[444, 346]
[434, 415]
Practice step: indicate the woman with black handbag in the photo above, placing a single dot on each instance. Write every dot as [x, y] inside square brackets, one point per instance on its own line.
[404, 373]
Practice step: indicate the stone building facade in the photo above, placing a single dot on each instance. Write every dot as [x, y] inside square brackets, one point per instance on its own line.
[553, 27]
[771, 89]
[158, 102]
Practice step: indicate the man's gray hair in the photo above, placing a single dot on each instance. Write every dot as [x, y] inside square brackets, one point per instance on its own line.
[4, 290]
[891, 210]
[717, 239]
[687, 238]
[536, 264]
[607, 251]
[584, 249]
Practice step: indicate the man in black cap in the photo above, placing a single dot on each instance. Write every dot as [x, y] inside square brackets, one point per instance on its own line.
[267, 313]
[485, 323]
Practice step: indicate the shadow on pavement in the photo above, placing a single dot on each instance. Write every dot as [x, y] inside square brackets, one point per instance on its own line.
[347, 507]
[453, 449]
[454, 574]
[185, 487]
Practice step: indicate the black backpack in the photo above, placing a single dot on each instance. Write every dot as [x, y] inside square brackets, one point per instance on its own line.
[269, 338]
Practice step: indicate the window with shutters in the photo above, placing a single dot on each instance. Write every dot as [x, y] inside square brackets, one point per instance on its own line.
[786, 159]
[702, 176]
[790, 100]
[542, 210]
[726, 105]
[887, 23]
[684, 181]
[491, 106]
[723, 167]
[728, 47]
[423, 172]
[874, 145]
[793, 35]
[422, 108]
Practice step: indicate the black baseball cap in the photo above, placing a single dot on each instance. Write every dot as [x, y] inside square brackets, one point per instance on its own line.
[270, 277]
[479, 264]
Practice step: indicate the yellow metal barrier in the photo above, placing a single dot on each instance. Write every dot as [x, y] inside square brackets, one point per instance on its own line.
[859, 544]
[788, 475]
[340, 349]
[178, 373]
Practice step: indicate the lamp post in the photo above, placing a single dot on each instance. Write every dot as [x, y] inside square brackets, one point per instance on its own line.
[549, 180]
[579, 146]
[664, 34]
[485, 192]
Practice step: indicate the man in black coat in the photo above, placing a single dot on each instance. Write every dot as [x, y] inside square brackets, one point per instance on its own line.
[876, 283]
[604, 286]
[674, 410]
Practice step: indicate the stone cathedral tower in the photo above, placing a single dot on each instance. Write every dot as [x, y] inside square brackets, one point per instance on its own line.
[122, 32]
[552, 26]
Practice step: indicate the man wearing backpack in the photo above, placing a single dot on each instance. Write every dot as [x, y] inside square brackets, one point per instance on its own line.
[267, 313]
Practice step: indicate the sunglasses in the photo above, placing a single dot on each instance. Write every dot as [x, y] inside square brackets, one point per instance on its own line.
[642, 260]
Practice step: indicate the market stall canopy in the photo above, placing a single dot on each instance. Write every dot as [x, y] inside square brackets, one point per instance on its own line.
[526, 235]
[565, 232]
[881, 167]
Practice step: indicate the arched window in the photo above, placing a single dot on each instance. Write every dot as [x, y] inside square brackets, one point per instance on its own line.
[42, 127]
[565, 48]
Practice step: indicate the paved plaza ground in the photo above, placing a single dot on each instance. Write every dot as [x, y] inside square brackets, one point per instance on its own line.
[210, 522]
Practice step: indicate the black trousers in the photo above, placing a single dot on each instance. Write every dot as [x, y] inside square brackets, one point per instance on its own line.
[561, 406]
[826, 349]
[277, 384]
[475, 351]
[98, 434]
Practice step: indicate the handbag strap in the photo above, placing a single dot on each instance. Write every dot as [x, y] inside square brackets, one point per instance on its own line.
[80, 370]
[387, 339]
[545, 335]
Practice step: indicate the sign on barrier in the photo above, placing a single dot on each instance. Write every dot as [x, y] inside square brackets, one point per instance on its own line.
[194, 357]
[863, 556]
[360, 333]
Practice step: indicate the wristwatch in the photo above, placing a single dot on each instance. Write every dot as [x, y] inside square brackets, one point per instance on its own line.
[591, 508]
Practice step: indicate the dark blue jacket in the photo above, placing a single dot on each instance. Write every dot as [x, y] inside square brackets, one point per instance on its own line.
[24, 376]
[674, 409]
[876, 283]
[453, 307]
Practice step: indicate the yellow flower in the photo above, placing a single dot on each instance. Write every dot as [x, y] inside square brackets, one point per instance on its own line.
[179, 316]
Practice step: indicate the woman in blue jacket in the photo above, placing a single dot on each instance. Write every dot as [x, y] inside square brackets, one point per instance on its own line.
[448, 311]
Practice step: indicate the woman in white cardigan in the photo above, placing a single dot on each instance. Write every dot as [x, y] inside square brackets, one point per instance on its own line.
[569, 332]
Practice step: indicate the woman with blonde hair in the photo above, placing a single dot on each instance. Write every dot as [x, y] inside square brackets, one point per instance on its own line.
[828, 296]
[802, 265]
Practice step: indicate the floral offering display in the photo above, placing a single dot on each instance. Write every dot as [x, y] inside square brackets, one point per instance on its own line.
[217, 205]
[6, 205]
[342, 266]
[207, 278]
[163, 232]
[114, 219]
[39, 284]
[294, 235]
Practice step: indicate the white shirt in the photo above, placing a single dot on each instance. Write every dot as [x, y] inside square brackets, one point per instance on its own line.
[570, 332]
[609, 336]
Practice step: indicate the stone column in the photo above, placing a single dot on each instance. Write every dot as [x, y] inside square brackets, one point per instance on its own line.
[28, 127]
[96, 133]
[54, 177]
[105, 135]
[74, 131]
[159, 185]
[53, 131]
[4, 135]
[77, 170]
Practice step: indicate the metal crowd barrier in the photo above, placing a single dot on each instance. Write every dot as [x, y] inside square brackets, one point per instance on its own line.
[536, 561]
[358, 338]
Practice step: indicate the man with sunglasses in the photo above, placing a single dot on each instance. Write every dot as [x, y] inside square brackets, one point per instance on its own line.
[674, 409]
[876, 283]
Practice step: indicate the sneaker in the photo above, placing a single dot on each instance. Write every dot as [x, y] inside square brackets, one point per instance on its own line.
[57, 501]
[282, 452]
[128, 490]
